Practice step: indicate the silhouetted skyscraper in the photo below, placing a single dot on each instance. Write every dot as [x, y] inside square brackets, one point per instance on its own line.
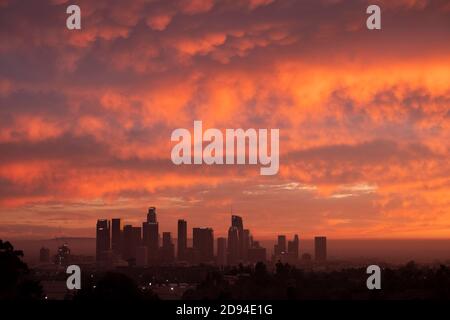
[137, 238]
[182, 240]
[150, 235]
[151, 215]
[127, 242]
[203, 242]
[167, 249]
[221, 251]
[320, 248]
[131, 241]
[102, 237]
[116, 236]
[236, 221]
[293, 249]
[233, 246]
[280, 247]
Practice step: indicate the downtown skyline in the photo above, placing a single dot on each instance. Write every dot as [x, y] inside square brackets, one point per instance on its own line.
[144, 246]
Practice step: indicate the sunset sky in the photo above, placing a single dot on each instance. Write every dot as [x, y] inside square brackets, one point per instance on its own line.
[364, 116]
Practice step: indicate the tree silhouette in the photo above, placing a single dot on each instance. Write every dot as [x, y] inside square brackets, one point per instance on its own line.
[16, 281]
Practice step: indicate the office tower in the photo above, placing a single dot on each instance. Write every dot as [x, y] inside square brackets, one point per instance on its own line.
[44, 255]
[136, 241]
[150, 236]
[116, 236]
[141, 256]
[182, 240]
[152, 241]
[127, 242]
[221, 251]
[203, 243]
[320, 248]
[246, 244]
[280, 247]
[102, 238]
[236, 221]
[167, 249]
[293, 249]
[233, 246]
[145, 234]
[151, 215]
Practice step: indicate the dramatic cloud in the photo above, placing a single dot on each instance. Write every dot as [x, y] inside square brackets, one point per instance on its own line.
[364, 116]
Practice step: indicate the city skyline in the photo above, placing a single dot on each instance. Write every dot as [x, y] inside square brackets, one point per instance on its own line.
[149, 245]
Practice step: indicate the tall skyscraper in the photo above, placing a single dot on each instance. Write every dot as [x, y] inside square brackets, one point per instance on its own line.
[280, 247]
[320, 248]
[137, 238]
[236, 221]
[151, 215]
[203, 243]
[182, 240]
[116, 236]
[102, 238]
[127, 242]
[150, 236]
[221, 251]
[131, 241]
[293, 249]
[167, 249]
[233, 246]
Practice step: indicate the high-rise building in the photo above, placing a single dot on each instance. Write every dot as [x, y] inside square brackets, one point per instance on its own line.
[236, 221]
[150, 235]
[44, 255]
[293, 249]
[151, 215]
[153, 242]
[116, 236]
[127, 242]
[137, 238]
[280, 247]
[131, 241]
[221, 251]
[102, 238]
[233, 246]
[203, 242]
[167, 249]
[320, 248]
[182, 239]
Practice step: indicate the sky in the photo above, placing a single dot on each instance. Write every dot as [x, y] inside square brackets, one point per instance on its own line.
[364, 116]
